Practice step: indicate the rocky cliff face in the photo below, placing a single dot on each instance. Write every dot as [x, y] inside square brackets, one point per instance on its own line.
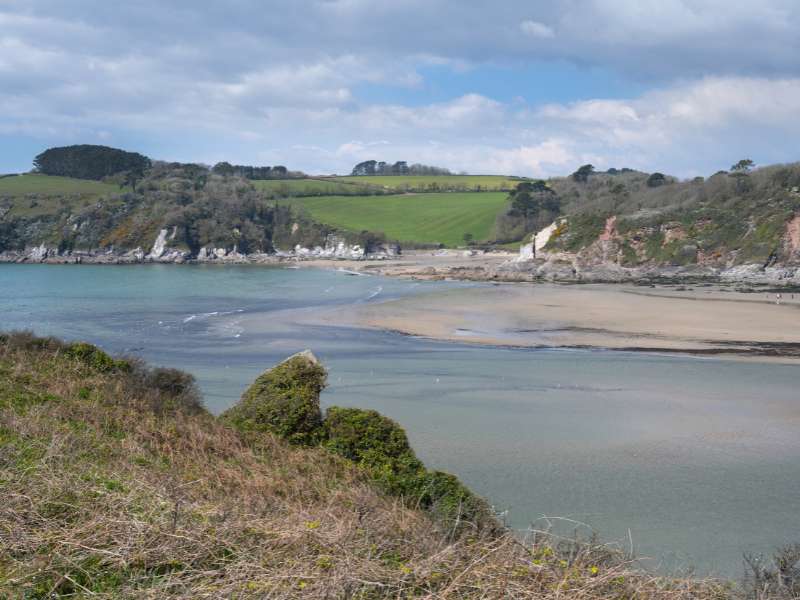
[334, 248]
[672, 250]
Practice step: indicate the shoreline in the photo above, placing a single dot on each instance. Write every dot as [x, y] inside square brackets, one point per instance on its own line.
[711, 322]
[730, 319]
[494, 266]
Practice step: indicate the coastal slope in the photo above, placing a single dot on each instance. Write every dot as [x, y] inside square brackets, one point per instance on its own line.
[118, 484]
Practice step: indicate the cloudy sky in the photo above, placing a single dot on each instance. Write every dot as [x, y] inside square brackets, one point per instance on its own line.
[512, 86]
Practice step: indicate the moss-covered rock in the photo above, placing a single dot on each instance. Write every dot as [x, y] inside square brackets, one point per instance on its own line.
[284, 400]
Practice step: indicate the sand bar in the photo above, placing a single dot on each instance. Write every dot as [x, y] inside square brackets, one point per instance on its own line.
[702, 320]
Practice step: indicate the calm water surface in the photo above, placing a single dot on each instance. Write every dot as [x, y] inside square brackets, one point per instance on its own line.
[694, 460]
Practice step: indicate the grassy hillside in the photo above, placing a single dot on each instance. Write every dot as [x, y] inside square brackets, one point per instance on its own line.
[720, 220]
[34, 194]
[117, 484]
[422, 218]
[199, 207]
[421, 183]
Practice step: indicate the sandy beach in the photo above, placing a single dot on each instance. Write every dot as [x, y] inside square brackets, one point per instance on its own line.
[700, 320]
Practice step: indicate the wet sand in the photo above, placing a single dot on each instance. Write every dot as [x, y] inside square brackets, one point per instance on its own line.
[700, 320]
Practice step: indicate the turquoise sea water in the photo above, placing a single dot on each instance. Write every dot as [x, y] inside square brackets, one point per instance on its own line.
[693, 460]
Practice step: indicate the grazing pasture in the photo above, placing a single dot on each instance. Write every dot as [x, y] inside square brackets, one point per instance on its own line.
[411, 218]
[35, 194]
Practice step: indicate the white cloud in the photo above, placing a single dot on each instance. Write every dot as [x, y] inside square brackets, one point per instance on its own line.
[536, 29]
[202, 81]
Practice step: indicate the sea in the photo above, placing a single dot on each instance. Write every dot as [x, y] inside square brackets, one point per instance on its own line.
[686, 462]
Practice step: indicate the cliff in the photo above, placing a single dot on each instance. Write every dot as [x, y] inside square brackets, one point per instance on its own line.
[741, 227]
[178, 213]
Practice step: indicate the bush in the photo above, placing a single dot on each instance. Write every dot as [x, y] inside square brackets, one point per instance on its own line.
[451, 502]
[95, 358]
[656, 180]
[380, 447]
[174, 389]
[284, 400]
[778, 578]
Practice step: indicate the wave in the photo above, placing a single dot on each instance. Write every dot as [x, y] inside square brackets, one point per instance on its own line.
[375, 293]
[216, 313]
[349, 272]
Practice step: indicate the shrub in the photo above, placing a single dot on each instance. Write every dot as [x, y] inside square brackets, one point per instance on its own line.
[95, 358]
[377, 444]
[656, 180]
[284, 400]
[173, 389]
[451, 502]
[380, 447]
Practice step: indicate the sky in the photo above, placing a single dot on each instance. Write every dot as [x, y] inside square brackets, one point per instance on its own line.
[519, 87]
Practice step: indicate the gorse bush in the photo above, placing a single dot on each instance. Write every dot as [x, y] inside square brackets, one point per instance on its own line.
[284, 401]
[380, 447]
[96, 358]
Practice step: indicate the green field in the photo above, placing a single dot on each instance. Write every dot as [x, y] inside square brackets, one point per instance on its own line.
[312, 187]
[443, 182]
[34, 194]
[421, 218]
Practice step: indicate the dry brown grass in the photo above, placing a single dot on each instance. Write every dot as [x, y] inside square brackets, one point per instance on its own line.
[105, 497]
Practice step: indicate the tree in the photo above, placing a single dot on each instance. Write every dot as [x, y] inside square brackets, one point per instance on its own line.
[656, 180]
[366, 167]
[223, 168]
[743, 166]
[279, 172]
[133, 177]
[582, 174]
[88, 161]
[741, 171]
[468, 239]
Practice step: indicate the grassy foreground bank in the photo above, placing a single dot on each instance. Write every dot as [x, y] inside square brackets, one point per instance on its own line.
[116, 483]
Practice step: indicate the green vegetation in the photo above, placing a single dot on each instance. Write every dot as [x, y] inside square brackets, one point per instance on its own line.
[87, 161]
[287, 188]
[380, 447]
[36, 194]
[731, 218]
[201, 209]
[532, 206]
[284, 401]
[117, 484]
[738, 217]
[437, 183]
[413, 218]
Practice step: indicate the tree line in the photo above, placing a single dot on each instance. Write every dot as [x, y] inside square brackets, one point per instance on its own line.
[255, 173]
[86, 161]
[401, 167]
